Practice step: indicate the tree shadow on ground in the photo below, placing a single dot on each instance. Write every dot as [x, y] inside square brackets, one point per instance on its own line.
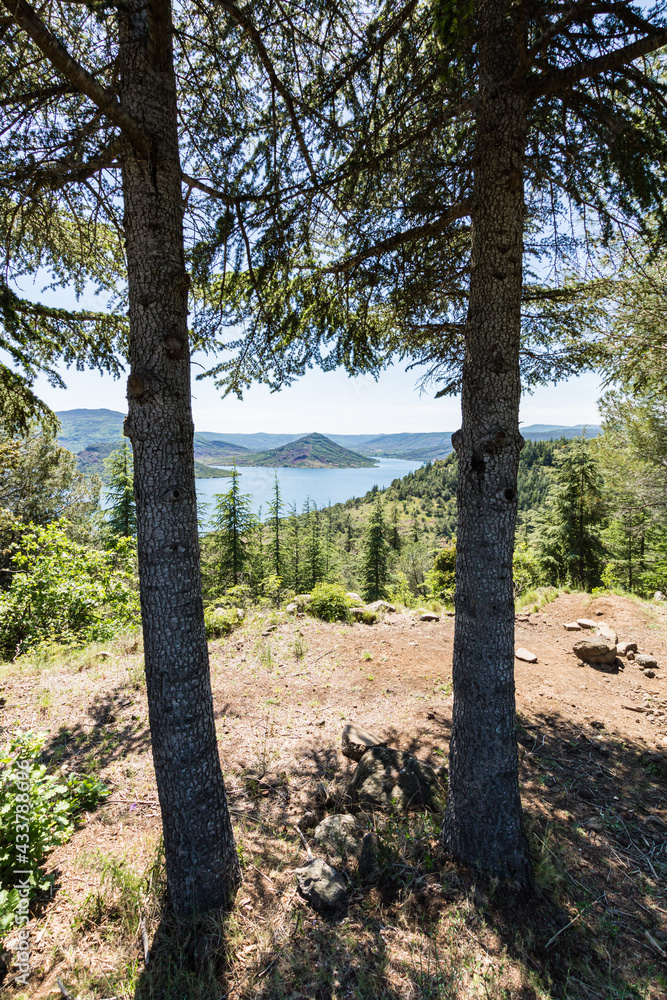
[422, 927]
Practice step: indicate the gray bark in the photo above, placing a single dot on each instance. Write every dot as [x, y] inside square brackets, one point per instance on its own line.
[483, 822]
[201, 861]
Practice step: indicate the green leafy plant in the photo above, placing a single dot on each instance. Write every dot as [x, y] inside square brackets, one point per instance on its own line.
[37, 813]
[330, 602]
[64, 592]
[221, 621]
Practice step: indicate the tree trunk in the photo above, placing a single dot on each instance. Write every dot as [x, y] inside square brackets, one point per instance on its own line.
[202, 866]
[483, 822]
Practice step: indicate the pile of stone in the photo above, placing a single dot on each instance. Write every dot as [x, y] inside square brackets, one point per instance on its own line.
[384, 780]
[605, 651]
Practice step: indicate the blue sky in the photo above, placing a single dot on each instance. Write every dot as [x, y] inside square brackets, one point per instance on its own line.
[331, 402]
[328, 402]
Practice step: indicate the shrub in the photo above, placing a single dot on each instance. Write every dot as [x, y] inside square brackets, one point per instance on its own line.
[65, 592]
[53, 802]
[441, 578]
[221, 621]
[526, 570]
[329, 602]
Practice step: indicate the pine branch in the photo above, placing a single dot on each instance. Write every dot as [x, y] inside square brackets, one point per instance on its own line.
[26, 18]
[242, 19]
[564, 79]
[454, 213]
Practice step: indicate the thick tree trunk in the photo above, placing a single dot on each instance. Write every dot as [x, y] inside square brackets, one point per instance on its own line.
[202, 866]
[483, 823]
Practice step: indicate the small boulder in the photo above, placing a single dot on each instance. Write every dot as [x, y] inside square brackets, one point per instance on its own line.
[658, 596]
[357, 598]
[308, 820]
[322, 887]
[606, 633]
[646, 662]
[381, 606]
[525, 655]
[429, 616]
[572, 627]
[364, 615]
[586, 623]
[340, 835]
[292, 608]
[356, 741]
[623, 648]
[595, 651]
[395, 780]
[368, 859]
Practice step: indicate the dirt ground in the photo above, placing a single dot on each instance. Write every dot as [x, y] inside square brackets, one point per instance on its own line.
[593, 759]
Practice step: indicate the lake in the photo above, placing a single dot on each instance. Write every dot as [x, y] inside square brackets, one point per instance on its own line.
[324, 486]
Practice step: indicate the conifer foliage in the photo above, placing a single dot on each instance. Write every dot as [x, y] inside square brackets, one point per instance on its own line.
[121, 511]
[375, 555]
[571, 547]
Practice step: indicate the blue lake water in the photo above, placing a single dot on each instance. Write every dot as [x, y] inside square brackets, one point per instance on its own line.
[324, 486]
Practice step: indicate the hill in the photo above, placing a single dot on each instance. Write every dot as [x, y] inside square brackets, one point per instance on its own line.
[91, 461]
[81, 428]
[314, 451]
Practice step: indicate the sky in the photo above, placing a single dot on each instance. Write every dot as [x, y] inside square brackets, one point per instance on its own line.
[326, 402]
[331, 402]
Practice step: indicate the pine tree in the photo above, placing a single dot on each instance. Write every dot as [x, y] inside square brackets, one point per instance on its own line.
[295, 561]
[570, 547]
[375, 555]
[275, 512]
[121, 512]
[315, 561]
[232, 523]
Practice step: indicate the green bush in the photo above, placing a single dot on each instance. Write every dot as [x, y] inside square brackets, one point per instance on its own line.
[221, 621]
[329, 602]
[442, 577]
[65, 592]
[51, 802]
[526, 570]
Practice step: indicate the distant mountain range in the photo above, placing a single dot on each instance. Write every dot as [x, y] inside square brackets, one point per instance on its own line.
[80, 429]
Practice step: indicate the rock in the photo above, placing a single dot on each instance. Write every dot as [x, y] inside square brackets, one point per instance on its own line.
[308, 820]
[526, 655]
[340, 835]
[450, 614]
[649, 673]
[356, 741]
[658, 596]
[364, 615]
[646, 662]
[623, 648]
[354, 597]
[658, 762]
[103, 654]
[599, 613]
[322, 887]
[630, 655]
[381, 606]
[572, 627]
[395, 780]
[292, 608]
[586, 622]
[269, 629]
[595, 651]
[303, 599]
[429, 616]
[606, 633]
[368, 859]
